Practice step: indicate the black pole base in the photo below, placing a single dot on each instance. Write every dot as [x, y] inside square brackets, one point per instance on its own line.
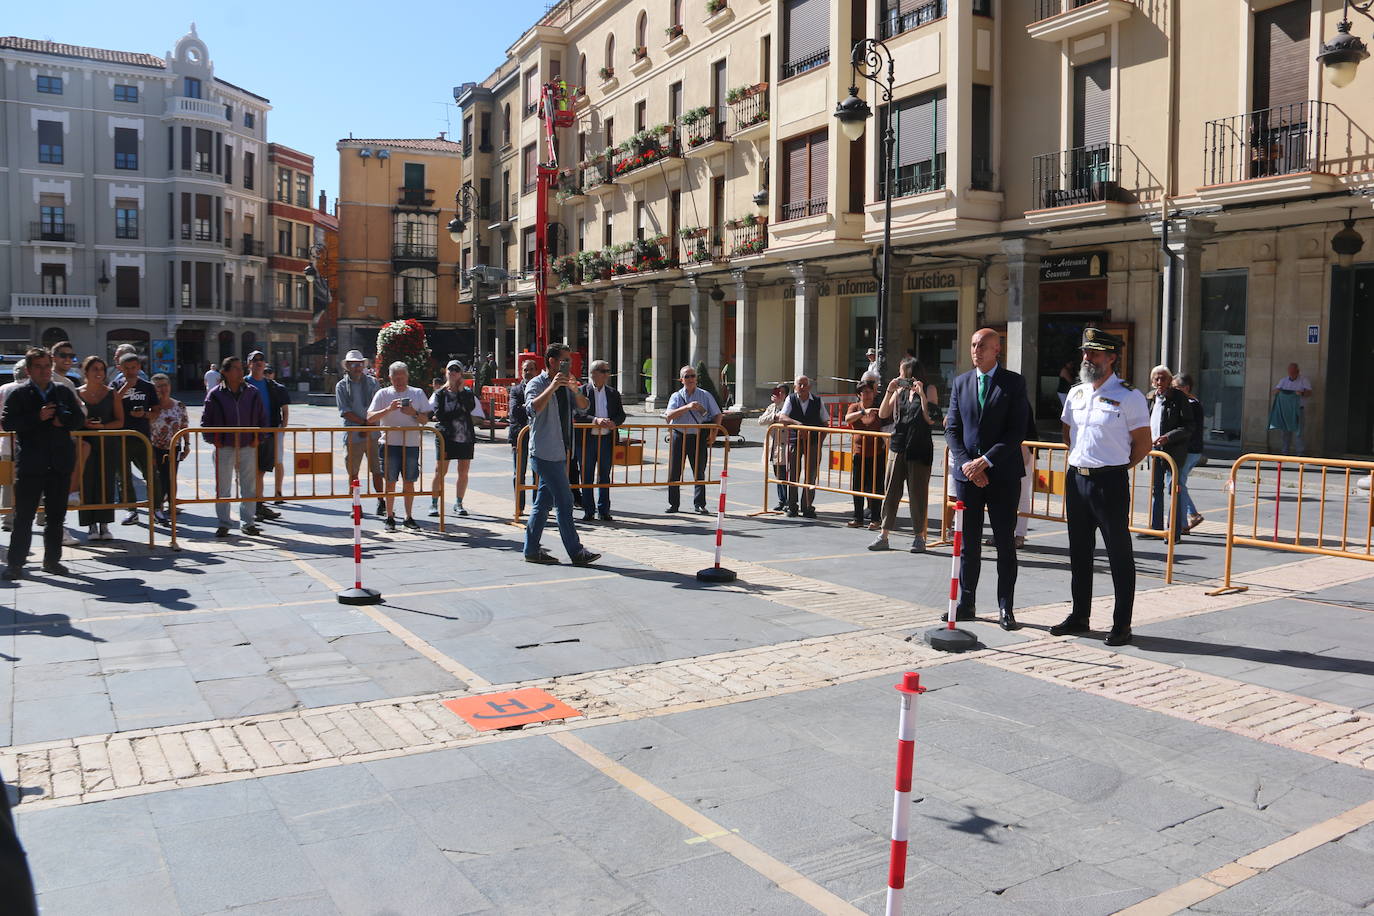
[716, 574]
[360, 596]
[947, 640]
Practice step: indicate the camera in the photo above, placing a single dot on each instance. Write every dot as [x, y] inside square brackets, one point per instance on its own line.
[905, 382]
[403, 402]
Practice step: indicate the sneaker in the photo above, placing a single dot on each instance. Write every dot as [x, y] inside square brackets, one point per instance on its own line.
[6, 525]
[779, 507]
[543, 558]
[880, 543]
[390, 523]
[1020, 541]
[69, 539]
[381, 508]
[131, 518]
[250, 530]
[57, 569]
[585, 558]
[161, 518]
[410, 524]
[93, 532]
[278, 501]
[433, 510]
[989, 542]
[105, 534]
[1194, 521]
[918, 544]
[458, 508]
[1069, 626]
[221, 532]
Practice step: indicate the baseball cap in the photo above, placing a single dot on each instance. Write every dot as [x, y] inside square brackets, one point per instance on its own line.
[257, 354]
[454, 364]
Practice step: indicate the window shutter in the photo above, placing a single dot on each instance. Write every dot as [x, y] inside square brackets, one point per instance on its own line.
[808, 28]
[796, 162]
[1282, 55]
[1092, 84]
[820, 159]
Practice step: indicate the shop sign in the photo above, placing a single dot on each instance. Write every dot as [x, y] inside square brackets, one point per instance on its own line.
[1233, 360]
[934, 279]
[1080, 265]
[164, 357]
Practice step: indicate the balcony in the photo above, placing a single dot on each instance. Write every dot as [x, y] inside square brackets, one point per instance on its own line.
[800, 65]
[201, 109]
[704, 249]
[572, 187]
[252, 309]
[414, 251]
[705, 139]
[902, 17]
[747, 238]
[414, 197]
[251, 247]
[420, 311]
[1059, 20]
[1098, 181]
[47, 305]
[920, 178]
[598, 174]
[1297, 148]
[749, 113]
[812, 206]
[648, 155]
[52, 232]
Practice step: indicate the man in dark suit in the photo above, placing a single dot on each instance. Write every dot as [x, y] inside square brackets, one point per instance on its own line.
[988, 417]
[42, 416]
[596, 446]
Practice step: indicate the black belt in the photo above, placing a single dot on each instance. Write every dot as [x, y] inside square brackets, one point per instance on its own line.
[1097, 472]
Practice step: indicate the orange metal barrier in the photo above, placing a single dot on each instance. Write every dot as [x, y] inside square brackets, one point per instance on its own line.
[101, 495]
[1358, 545]
[310, 454]
[840, 453]
[640, 458]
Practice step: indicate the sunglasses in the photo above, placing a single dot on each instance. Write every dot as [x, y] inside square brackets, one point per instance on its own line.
[603, 371]
[693, 375]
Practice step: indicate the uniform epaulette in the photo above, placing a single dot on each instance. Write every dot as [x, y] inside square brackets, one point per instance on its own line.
[1127, 385]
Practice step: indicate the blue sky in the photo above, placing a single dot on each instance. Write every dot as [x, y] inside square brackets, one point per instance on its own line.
[374, 69]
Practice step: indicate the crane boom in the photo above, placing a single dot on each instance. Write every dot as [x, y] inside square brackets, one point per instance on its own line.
[555, 111]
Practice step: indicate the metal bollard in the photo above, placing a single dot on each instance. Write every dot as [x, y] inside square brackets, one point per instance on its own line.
[357, 594]
[909, 688]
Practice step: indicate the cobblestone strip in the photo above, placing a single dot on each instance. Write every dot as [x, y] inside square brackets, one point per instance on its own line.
[98, 767]
[1337, 733]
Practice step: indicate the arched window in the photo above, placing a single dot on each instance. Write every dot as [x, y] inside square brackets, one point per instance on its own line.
[582, 70]
[53, 336]
[642, 30]
[610, 53]
[505, 126]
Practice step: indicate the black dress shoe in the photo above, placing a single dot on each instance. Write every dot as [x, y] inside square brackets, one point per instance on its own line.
[960, 613]
[588, 517]
[605, 517]
[12, 573]
[1118, 637]
[57, 569]
[702, 510]
[808, 512]
[1007, 621]
[791, 512]
[1069, 625]
[671, 509]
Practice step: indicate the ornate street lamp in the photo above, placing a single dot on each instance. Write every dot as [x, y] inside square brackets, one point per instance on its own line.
[1341, 55]
[866, 60]
[463, 202]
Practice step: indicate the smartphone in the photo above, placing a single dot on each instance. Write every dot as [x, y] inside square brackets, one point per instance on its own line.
[403, 402]
[905, 382]
[565, 366]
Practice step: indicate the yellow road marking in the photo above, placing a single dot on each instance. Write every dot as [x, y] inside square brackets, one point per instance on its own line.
[784, 876]
[1193, 892]
[693, 840]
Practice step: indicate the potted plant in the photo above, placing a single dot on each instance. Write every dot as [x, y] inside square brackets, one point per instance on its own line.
[606, 73]
[714, 6]
[692, 232]
[673, 31]
[695, 115]
[640, 52]
[733, 223]
[734, 95]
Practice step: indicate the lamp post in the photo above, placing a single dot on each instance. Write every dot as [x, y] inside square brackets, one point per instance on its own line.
[463, 202]
[866, 60]
[1341, 55]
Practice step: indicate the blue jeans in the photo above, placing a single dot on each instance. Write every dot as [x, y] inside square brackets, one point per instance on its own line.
[1185, 500]
[554, 493]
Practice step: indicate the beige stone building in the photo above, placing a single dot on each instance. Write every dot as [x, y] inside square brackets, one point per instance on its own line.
[1058, 163]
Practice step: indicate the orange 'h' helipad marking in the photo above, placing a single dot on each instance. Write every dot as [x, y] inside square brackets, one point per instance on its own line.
[506, 710]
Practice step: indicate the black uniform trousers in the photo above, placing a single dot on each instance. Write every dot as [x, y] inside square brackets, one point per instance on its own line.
[693, 447]
[1101, 501]
[51, 488]
[1001, 498]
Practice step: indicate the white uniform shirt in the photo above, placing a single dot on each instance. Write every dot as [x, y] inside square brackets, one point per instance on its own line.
[1101, 422]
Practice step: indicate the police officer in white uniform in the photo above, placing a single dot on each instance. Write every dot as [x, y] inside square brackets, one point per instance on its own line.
[1107, 429]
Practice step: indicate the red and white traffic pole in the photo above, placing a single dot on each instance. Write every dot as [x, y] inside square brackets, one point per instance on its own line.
[357, 594]
[950, 638]
[717, 573]
[901, 801]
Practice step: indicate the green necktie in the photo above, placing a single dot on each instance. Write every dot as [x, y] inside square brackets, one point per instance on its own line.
[982, 390]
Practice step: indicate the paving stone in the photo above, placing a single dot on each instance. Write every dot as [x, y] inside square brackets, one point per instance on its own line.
[230, 861]
[323, 804]
[160, 696]
[128, 844]
[135, 895]
[424, 769]
[340, 621]
[475, 817]
[245, 696]
[1271, 893]
[216, 663]
[714, 883]
[1076, 889]
[553, 877]
[1073, 777]
[57, 679]
[396, 870]
[62, 717]
[193, 804]
[1335, 870]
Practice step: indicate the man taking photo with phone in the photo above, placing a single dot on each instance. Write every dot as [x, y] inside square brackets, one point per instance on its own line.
[550, 399]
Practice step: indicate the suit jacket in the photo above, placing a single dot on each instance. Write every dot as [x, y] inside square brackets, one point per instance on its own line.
[614, 407]
[40, 447]
[996, 430]
[518, 414]
[1176, 425]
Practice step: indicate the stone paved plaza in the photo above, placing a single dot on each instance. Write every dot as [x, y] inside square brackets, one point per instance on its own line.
[209, 731]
